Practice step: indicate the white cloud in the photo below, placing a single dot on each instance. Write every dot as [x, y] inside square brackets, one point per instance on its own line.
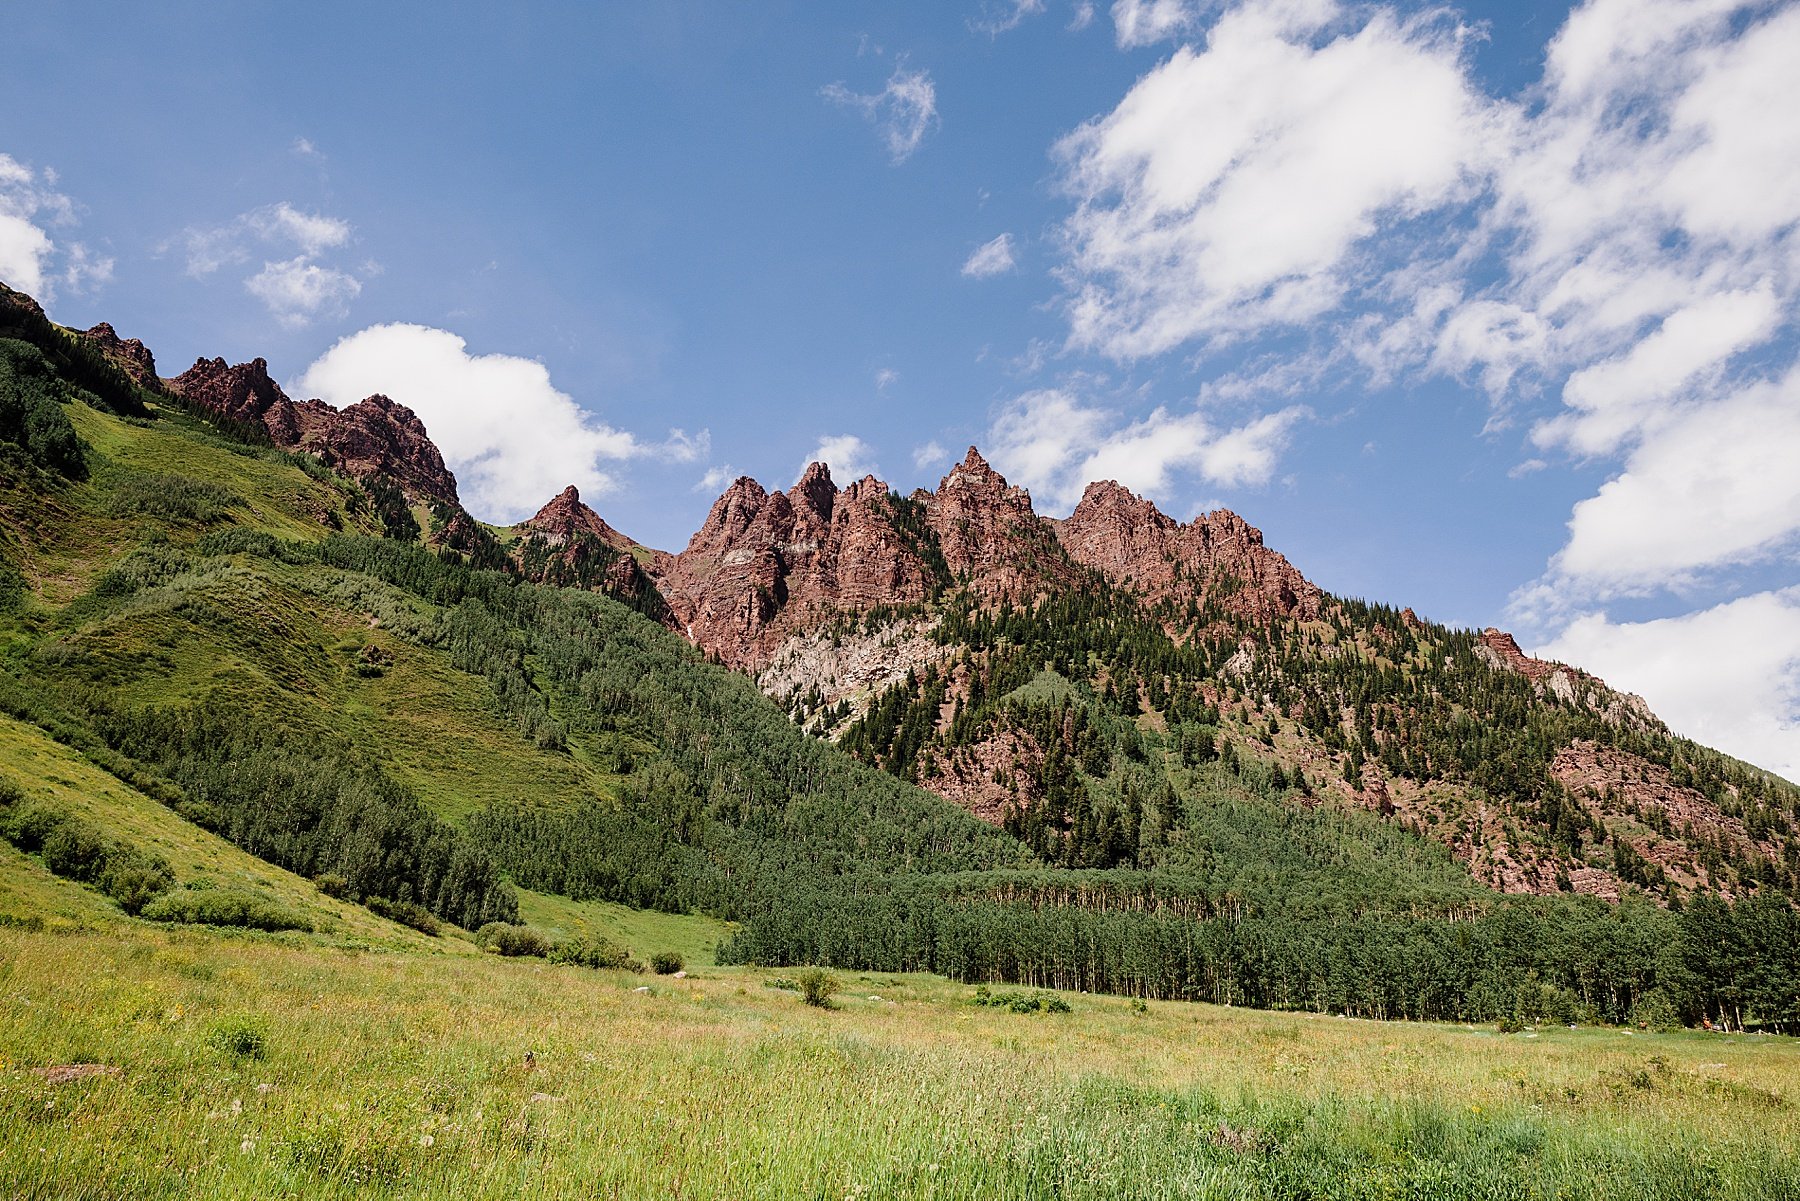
[1004, 16]
[849, 457]
[28, 202]
[1619, 397]
[1145, 22]
[716, 478]
[930, 456]
[1054, 444]
[512, 438]
[297, 290]
[904, 111]
[304, 148]
[886, 378]
[1714, 485]
[1728, 676]
[281, 225]
[23, 249]
[1231, 189]
[310, 232]
[990, 259]
[1084, 15]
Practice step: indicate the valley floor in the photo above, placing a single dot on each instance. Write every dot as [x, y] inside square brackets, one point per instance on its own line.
[283, 1065]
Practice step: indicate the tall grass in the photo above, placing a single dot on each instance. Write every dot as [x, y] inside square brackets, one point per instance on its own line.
[406, 1075]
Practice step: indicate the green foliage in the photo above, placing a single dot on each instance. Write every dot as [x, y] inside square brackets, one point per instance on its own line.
[816, 986]
[224, 907]
[170, 497]
[596, 953]
[504, 938]
[31, 415]
[73, 849]
[406, 913]
[665, 963]
[1018, 1002]
[70, 356]
[239, 1037]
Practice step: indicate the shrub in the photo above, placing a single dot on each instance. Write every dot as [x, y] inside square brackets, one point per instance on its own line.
[239, 1037]
[503, 938]
[1511, 1023]
[406, 913]
[134, 880]
[29, 824]
[1655, 1011]
[333, 885]
[816, 987]
[223, 907]
[75, 849]
[783, 983]
[665, 963]
[592, 952]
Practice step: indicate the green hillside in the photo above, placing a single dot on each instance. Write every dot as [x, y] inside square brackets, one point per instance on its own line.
[225, 629]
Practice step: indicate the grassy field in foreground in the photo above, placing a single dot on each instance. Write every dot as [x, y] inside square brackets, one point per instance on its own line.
[270, 1067]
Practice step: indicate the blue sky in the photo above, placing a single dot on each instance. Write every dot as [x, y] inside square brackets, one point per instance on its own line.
[1485, 309]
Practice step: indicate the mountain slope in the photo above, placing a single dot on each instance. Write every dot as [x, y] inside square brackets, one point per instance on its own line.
[904, 627]
[1218, 782]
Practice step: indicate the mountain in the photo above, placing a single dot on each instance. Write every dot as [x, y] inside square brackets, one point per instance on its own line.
[1116, 752]
[927, 633]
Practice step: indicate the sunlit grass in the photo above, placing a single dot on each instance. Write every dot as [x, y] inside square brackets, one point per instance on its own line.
[396, 1073]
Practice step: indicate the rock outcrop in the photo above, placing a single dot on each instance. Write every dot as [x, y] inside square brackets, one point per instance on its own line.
[375, 437]
[1218, 557]
[766, 565]
[568, 545]
[131, 355]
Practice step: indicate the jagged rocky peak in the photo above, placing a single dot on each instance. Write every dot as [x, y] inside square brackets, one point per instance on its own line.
[132, 356]
[375, 436]
[241, 392]
[566, 517]
[1135, 545]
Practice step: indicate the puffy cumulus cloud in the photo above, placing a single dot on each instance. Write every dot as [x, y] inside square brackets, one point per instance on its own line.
[1055, 444]
[903, 112]
[990, 259]
[510, 435]
[1714, 485]
[849, 457]
[1727, 676]
[295, 290]
[1231, 189]
[30, 259]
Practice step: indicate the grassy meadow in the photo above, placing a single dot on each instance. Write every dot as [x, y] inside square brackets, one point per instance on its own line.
[288, 1065]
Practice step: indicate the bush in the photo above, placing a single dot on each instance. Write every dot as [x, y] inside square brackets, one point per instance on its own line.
[133, 881]
[406, 913]
[816, 987]
[30, 823]
[595, 953]
[665, 963]
[223, 907]
[1655, 1011]
[1018, 1002]
[239, 1037]
[75, 849]
[332, 885]
[503, 938]
[1511, 1023]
